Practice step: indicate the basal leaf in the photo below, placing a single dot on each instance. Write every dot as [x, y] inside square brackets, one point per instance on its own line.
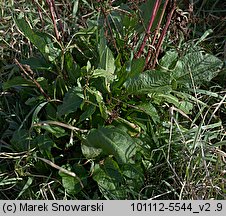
[133, 175]
[111, 168]
[196, 67]
[137, 67]
[71, 67]
[149, 109]
[31, 35]
[45, 145]
[109, 141]
[168, 60]
[107, 61]
[41, 40]
[38, 63]
[88, 112]
[109, 187]
[100, 101]
[55, 130]
[21, 140]
[103, 73]
[183, 105]
[155, 81]
[71, 102]
[17, 82]
[72, 184]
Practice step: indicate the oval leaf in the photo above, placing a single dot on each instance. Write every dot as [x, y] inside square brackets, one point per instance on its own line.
[71, 102]
[155, 81]
[109, 141]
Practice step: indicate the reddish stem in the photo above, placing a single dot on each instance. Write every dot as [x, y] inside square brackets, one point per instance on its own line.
[154, 13]
[58, 17]
[163, 33]
[52, 12]
[156, 33]
[39, 13]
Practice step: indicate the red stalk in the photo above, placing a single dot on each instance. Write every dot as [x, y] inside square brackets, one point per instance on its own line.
[156, 33]
[163, 33]
[154, 13]
[53, 16]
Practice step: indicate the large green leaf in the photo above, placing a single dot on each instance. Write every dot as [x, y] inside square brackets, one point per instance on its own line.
[45, 145]
[109, 141]
[73, 70]
[146, 10]
[117, 182]
[183, 105]
[31, 35]
[168, 60]
[149, 109]
[111, 168]
[156, 81]
[196, 66]
[100, 101]
[52, 49]
[21, 140]
[38, 108]
[41, 40]
[55, 130]
[72, 184]
[71, 102]
[105, 79]
[109, 179]
[16, 82]
[137, 67]
[134, 176]
[107, 61]
[38, 63]
[88, 112]
[103, 73]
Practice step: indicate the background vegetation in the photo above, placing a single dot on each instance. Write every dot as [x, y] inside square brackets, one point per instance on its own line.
[112, 99]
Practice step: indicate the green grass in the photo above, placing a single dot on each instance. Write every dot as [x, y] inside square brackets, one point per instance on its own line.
[82, 117]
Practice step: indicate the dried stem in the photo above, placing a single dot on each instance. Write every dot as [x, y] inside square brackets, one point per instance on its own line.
[61, 169]
[28, 74]
[61, 125]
